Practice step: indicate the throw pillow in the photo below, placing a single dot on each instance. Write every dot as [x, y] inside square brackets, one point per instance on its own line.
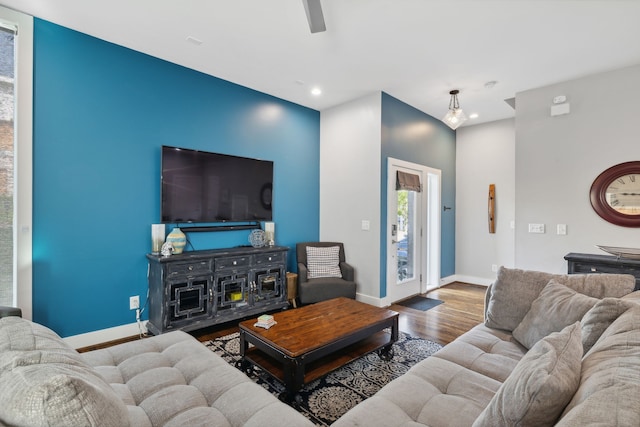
[599, 318]
[541, 384]
[45, 382]
[511, 296]
[323, 262]
[555, 308]
[610, 378]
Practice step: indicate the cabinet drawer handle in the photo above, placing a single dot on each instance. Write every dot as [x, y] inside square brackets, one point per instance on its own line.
[594, 269]
[269, 258]
[191, 268]
[235, 262]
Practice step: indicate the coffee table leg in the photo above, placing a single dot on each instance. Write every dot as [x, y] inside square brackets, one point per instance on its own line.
[293, 381]
[386, 352]
[242, 364]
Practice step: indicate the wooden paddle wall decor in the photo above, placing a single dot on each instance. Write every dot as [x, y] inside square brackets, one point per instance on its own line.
[492, 208]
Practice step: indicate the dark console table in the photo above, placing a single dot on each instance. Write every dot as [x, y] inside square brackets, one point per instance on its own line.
[197, 289]
[590, 263]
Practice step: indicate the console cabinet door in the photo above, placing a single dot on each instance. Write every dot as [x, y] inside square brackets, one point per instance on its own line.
[269, 283]
[188, 299]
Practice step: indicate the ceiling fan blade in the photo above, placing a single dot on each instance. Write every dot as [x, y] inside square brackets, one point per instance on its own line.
[313, 8]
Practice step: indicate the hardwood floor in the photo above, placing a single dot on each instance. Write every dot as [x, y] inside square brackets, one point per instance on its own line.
[462, 309]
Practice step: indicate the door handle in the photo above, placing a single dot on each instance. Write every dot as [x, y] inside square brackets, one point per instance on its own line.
[394, 241]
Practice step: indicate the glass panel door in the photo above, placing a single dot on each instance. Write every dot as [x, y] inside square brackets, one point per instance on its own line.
[406, 253]
[404, 241]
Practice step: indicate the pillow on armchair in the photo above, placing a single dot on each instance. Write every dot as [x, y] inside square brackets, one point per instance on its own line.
[323, 262]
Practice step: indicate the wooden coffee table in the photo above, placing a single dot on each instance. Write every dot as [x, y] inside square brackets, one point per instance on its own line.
[309, 342]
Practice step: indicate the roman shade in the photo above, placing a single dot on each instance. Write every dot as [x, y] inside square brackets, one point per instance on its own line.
[408, 181]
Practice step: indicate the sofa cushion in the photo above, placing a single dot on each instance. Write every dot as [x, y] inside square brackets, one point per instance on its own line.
[323, 261]
[610, 378]
[600, 317]
[490, 352]
[46, 382]
[540, 386]
[514, 290]
[459, 379]
[174, 380]
[556, 307]
[431, 393]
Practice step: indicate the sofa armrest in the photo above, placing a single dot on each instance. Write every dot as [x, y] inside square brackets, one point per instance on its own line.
[303, 273]
[347, 272]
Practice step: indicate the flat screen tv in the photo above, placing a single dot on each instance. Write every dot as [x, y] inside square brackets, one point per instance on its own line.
[202, 187]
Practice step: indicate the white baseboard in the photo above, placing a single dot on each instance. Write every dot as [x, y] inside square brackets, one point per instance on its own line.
[106, 335]
[447, 280]
[473, 280]
[131, 329]
[385, 302]
[374, 301]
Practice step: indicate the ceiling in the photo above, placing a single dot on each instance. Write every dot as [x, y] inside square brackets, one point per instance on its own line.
[414, 50]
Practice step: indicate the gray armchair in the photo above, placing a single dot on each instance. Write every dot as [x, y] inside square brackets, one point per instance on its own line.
[324, 288]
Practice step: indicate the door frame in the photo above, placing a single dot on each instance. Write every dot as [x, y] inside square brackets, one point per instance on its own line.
[430, 224]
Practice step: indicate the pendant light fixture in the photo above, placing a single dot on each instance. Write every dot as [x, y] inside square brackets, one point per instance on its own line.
[455, 116]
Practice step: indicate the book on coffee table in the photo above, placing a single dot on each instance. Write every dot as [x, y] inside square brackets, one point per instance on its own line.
[265, 321]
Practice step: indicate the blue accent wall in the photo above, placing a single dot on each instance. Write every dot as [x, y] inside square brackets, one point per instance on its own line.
[409, 134]
[101, 114]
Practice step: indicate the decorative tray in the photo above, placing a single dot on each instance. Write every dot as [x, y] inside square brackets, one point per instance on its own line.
[630, 253]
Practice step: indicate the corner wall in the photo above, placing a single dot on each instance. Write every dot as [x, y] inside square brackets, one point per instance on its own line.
[349, 185]
[411, 135]
[101, 114]
[356, 139]
[485, 154]
[557, 159]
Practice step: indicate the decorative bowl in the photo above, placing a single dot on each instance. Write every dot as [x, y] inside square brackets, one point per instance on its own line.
[631, 253]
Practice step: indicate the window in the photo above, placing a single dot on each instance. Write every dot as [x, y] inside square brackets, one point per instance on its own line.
[16, 76]
[7, 122]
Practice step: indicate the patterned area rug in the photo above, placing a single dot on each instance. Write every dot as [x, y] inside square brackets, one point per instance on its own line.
[328, 398]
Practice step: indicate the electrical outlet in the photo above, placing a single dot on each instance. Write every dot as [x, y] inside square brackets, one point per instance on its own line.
[494, 267]
[134, 302]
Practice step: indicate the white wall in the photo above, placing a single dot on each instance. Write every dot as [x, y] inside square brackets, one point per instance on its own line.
[350, 174]
[485, 154]
[557, 159]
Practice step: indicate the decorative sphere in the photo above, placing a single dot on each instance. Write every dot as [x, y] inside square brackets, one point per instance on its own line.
[257, 238]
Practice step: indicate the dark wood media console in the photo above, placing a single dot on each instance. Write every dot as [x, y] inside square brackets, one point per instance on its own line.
[197, 289]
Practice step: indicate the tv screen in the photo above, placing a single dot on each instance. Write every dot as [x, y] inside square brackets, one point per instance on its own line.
[200, 187]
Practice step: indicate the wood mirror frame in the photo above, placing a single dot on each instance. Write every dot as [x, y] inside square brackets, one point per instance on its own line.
[598, 193]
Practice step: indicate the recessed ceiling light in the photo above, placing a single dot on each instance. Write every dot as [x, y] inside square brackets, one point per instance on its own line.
[473, 115]
[316, 91]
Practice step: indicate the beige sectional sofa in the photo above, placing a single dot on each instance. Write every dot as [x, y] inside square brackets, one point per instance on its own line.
[553, 350]
[167, 380]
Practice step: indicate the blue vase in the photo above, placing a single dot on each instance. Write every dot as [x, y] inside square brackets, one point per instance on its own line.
[178, 239]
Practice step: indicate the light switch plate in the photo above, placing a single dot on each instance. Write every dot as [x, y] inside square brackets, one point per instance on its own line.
[536, 228]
